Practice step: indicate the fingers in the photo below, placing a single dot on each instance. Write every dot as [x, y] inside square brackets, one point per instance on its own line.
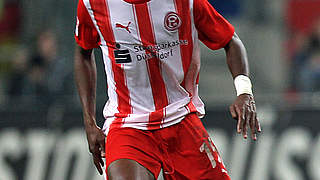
[103, 153]
[258, 126]
[98, 152]
[102, 146]
[257, 123]
[237, 115]
[246, 112]
[97, 160]
[233, 112]
[253, 119]
[253, 127]
[247, 118]
[240, 119]
[96, 142]
[254, 124]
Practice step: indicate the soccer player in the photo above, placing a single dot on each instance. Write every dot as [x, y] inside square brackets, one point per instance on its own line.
[152, 60]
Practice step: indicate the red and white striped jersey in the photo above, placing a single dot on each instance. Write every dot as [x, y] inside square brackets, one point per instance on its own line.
[151, 55]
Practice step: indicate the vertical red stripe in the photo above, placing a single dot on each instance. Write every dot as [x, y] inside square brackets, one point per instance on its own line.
[102, 16]
[191, 107]
[185, 33]
[157, 84]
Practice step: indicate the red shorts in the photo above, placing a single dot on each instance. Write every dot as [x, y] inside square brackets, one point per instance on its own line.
[184, 150]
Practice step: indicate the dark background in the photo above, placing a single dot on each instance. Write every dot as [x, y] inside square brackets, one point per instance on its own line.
[41, 131]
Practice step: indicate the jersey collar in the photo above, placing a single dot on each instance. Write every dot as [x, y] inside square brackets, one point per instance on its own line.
[136, 1]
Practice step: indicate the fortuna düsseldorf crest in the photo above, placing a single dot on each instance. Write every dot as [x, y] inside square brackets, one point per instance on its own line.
[172, 21]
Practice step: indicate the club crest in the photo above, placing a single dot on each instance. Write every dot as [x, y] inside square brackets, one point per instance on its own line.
[172, 21]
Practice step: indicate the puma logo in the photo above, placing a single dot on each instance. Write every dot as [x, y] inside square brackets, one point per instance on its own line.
[124, 27]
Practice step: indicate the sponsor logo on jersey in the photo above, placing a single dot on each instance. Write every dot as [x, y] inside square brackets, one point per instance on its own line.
[161, 51]
[122, 55]
[172, 21]
[160, 46]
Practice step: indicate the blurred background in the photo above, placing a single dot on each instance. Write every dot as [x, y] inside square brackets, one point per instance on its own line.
[41, 131]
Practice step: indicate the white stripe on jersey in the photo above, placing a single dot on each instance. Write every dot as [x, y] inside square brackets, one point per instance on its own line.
[88, 6]
[173, 116]
[168, 66]
[111, 106]
[125, 30]
[141, 101]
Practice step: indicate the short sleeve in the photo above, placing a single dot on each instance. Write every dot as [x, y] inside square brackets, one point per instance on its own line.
[86, 34]
[213, 29]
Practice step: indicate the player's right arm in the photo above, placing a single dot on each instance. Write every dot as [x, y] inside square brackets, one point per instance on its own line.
[85, 75]
[86, 78]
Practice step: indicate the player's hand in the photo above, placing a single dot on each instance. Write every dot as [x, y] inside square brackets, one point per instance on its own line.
[96, 142]
[244, 111]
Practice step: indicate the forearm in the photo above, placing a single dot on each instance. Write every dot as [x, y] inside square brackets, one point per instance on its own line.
[237, 59]
[86, 78]
[243, 109]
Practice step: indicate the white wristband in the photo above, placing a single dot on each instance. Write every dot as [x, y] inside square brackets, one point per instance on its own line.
[243, 85]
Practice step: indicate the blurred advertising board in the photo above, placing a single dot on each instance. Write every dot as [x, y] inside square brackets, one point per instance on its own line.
[52, 145]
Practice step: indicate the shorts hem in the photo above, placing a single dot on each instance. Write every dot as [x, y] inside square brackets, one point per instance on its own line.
[155, 172]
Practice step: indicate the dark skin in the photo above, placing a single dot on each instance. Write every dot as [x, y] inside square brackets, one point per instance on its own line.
[243, 109]
[86, 78]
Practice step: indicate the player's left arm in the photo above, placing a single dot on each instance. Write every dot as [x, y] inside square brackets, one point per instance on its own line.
[216, 32]
[243, 109]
